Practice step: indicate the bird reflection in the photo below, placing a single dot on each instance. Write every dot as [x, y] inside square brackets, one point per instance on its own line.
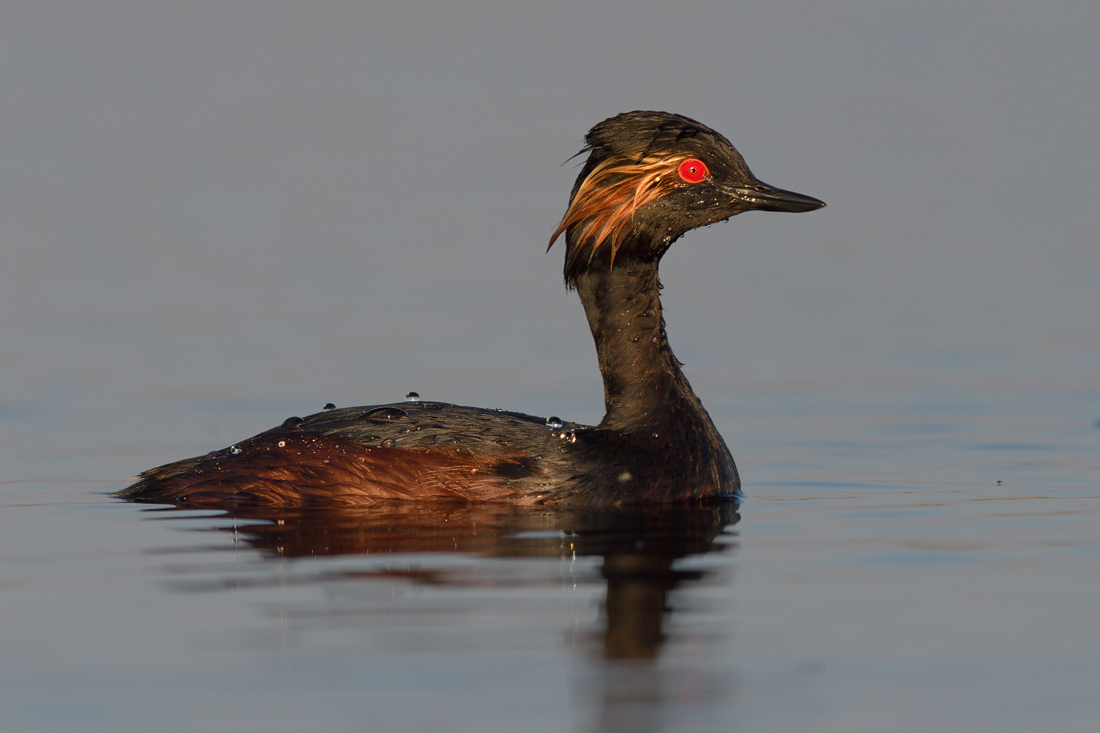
[639, 547]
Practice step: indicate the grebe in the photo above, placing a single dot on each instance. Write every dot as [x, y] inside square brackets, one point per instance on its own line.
[650, 177]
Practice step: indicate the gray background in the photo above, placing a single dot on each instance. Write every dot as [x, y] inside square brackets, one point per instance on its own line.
[205, 202]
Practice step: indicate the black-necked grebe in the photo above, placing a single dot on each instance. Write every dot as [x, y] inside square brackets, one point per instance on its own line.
[650, 177]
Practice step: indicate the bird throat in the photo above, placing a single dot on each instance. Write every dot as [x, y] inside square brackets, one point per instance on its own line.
[642, 380]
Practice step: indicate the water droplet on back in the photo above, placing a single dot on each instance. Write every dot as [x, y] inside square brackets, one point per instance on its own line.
[293, 422]
[412, 397]
[329, 407]
[554, 422]
[569, 436]
[383, 411]
[235, 450]
[388, 443]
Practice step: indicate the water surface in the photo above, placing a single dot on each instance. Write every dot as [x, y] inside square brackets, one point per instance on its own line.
[902, 561]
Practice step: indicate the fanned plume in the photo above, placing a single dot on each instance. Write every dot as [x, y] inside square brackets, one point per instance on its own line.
[603, 205]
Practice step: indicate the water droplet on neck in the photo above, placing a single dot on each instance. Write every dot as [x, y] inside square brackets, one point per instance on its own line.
[329, 407]
[388, 443]
[412, 397]
[554, 422]
[293, 422]
[235, 450]
[282, 444]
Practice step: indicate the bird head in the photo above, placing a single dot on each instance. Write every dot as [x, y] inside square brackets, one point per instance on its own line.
[650, 177]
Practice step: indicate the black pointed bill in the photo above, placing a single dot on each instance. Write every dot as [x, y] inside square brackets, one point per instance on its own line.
[760, 195]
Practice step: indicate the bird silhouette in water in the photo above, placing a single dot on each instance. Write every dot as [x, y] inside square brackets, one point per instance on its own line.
[650, 177]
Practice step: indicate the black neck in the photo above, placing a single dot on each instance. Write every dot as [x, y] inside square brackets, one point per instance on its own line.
[661, 433]
[642, 382]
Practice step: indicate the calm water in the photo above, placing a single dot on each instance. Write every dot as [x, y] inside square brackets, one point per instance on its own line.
[903, 561]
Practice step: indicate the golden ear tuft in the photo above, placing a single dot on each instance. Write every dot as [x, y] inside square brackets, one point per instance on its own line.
[602, 210]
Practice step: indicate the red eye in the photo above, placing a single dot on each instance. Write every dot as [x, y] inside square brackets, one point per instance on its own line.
[693, 170]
